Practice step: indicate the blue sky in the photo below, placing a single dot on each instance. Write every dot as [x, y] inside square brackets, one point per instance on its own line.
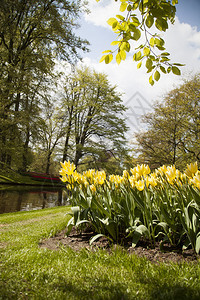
[182, 41]
[189, 11]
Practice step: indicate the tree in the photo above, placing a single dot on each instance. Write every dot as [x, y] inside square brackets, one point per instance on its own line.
[191, 95]
[95, 122]
[172, 135]
[140, 16]
[50, 130]
[32, 35]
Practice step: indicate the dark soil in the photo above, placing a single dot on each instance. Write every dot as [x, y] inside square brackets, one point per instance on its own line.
[77, 241]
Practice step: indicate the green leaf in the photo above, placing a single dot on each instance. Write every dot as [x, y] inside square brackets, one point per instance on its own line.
[165, 54]
[161, 24]
[164, 225]
[129, 7]
[123, 6]
[108, 58]
[151, 42]
[128, 47]
[114, 24]
[162, 42]
[135, 21]
[70, 225]
[136, 35]
[149, 21]
[135, 239]
[139, 65]
[135, 5]
[160, 48]
[163, 69]
[120, 17]
[118, 58]
[197, 247]
[169, 69]
[107, 51]
[76, 211]
[176, 70]
[142, 230]
[164, 58]
[149, 63]
[94, 238]
[177, 64]
[114, 43]
[138, 55]
[123, 46]
[159, 42]
[111, 21]
[157, 75]
[123, 54]
[146, 51]
[102, 58]
[82, 222]
[151, 81]
[150, 69]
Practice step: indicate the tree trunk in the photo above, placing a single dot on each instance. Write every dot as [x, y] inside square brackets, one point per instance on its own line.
[78, 154]
[25, 151]
[69, 127]
[48, 162]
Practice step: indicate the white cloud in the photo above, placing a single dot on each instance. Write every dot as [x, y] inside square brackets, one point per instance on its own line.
[183, 42]
[101, 11]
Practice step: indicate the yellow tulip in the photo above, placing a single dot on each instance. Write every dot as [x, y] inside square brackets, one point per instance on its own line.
[132, 181]
[191, 169]
[93, 188]
[152, 180]
[126, 174]
[100, 177]
[162, 170]
[140, 185]
[171, 174]
[63, 178]
[116, 179]
[140, 170]
[196, 180]
[67, 168]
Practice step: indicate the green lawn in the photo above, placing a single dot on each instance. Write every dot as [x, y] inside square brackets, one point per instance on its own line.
[29, 272]
[9, 176]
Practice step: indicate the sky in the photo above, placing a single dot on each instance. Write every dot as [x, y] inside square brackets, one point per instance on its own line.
[182, 41]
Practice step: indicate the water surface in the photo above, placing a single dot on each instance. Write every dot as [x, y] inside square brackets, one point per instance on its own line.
[25, 198]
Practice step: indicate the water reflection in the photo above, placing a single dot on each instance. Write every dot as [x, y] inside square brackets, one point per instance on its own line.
[25, 198]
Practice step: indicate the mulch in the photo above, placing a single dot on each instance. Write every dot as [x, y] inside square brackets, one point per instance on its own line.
[78, 241]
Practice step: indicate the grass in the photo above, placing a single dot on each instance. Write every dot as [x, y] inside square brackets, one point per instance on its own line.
[30, 272]
[9, 176]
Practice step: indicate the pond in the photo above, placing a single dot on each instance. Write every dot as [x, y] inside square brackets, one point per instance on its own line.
[25, 198]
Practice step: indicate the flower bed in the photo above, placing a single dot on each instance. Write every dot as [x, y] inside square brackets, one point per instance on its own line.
[162, 206]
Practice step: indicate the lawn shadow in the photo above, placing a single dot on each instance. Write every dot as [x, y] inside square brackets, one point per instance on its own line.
[101, 289]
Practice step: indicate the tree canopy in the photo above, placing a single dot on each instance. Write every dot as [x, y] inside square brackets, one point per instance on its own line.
[133, 30]
[173, 128]
[33, 34]
[95, 122]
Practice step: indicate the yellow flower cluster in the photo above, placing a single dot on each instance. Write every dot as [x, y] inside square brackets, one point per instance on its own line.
[89, 177]
[139, 177]
[194, 175]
